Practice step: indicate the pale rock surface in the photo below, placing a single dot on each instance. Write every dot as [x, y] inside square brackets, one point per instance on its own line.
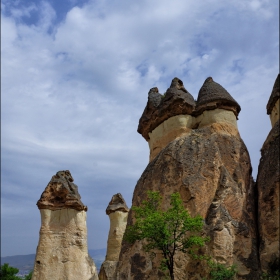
[210, 167]
[118, 212]
[215, 116]
[180, 125]
[167, 131]
[62, 252]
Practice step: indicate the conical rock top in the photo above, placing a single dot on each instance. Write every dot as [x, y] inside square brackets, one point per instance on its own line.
[154, 97]
[176, 101]
[61, 193]
[212, 95]
[117, 203]
[275, 95]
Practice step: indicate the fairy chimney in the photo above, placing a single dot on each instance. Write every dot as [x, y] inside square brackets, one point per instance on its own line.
[62, 252]
[166, 116]
[117, 211]
[273, 105]
[268, 187]
[206, 161]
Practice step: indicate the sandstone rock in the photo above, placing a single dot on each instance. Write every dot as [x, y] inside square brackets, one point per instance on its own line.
[175, 114]
[61, 193]
[117, 211]
[268, 182]
[274, 96]
[209, 166]
[176, 101]
[108, 270]
[117, 203]
[62, 252]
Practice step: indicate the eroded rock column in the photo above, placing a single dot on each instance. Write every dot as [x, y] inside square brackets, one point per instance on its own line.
[205, 160]
[62, 252]
[268, 187]
[117, 211]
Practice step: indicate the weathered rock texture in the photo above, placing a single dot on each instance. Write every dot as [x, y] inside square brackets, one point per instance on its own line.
[61, 193]
[62, 252]
[176, 101]
[174, 114]
[209, 165]
[268, 186]
[273, 107]
[117, 211]
[212, 95]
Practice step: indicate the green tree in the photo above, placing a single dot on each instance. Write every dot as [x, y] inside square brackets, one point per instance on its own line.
[221, 272]
[28, 276]
[8, 272]
[168, 231]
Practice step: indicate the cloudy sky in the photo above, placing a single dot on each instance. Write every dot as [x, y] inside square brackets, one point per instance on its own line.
[75, 76]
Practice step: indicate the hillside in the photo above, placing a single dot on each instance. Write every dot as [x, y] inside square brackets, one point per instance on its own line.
[25, 263]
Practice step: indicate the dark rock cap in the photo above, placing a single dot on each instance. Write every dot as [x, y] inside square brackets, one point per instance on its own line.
[176, 101]
[274, 96]
[154, 97]
[212, 95]
[61, 193]
[117, 203]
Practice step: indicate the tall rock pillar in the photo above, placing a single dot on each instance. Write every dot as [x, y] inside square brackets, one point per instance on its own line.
[62, 252]
[196, 150]
[117, 211]
[268, 186]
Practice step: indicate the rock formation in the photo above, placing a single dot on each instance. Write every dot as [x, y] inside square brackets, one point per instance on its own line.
[268, 186]
[62, 252]
[117, 211]
[196, 150]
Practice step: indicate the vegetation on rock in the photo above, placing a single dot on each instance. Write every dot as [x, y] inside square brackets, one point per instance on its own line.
[168, 231]
[221, 272]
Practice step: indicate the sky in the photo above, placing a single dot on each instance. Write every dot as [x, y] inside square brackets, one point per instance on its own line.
[75, 77]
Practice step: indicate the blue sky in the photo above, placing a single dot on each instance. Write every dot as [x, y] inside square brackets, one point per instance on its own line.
[75, 81]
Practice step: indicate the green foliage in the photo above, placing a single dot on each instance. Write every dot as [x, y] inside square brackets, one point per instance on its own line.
[166, 230]
[8, 272]
[273, 271]
[221, 272]
[28, 276]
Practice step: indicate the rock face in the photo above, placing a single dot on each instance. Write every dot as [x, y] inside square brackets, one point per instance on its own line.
[170, 116]
[61, 193]
[273, 107]
[62, 252]
[207, 162]
[117, 211]
[268, 186]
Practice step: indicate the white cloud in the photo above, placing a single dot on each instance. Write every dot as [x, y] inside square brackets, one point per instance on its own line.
[73, 92]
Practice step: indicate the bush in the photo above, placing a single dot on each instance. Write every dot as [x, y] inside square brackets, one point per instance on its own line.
[8, 272]
[166, 230]
[221, 272]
